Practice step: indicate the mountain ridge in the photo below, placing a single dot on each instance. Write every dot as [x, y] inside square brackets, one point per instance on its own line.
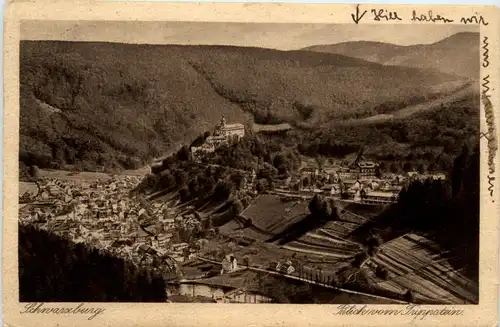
[465, 44]
[124, 104]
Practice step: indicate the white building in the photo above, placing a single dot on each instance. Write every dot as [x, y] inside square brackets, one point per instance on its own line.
[380, 197]
[229, 264]
[235, 131]
[223, 134]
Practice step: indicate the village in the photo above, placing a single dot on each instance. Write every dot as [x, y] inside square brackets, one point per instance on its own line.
[103, 215]
[170, 237]
[360, 181]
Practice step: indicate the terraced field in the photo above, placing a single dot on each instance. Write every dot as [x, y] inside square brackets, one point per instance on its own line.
[415, 263]
[410, 262]
[337, 229]
[271, 215]
[319, 250]
[365, 210]
[347, 216]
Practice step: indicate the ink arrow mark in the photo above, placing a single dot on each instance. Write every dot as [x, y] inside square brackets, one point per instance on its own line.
[357, 18]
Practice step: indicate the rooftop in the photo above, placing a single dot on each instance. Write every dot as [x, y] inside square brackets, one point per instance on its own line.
[381, 194]
[233, 126]
[367, 164]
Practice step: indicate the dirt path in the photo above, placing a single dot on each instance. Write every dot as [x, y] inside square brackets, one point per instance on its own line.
[271, 128]
[418, 108]
[328, 254]
[270, 272]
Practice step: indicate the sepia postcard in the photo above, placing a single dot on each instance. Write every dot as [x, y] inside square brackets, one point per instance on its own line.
[204, 164]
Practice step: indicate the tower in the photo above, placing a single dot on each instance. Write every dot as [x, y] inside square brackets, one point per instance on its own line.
[220, 128]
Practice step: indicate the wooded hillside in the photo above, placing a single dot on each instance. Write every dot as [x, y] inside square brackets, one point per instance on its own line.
[53, 269]
[121, 105]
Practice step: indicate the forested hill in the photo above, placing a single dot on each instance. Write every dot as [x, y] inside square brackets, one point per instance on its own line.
[122, 105]
[457, 54]
[54, 269]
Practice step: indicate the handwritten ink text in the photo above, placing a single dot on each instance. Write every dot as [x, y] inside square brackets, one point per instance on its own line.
[486, 57]
[356, 18]
[429, 17]
[474, 20]
[384, 14]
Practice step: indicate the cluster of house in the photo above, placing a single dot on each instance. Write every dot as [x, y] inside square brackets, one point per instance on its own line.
[362, 181]
[102, 215]
[223, 134]
[230, 264]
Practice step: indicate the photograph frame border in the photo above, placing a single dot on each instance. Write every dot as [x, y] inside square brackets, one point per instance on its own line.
[155, 314]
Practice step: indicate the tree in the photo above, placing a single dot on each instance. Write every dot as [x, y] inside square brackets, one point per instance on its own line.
[181, 178]
[316, 205]
[421, 168]
[409, 296]
[34, 172]
[373, 243]
[382, 167]
[320, 162]
[166, 180]
[223, 189]
[394, 168]
[261, 185]
[326, 209]
[280, 161]
[184, 154]
[457, 173]
[194, 187]
[198, 141]
[344, 195]
[268, 171]
[207, 223]
[407, 166]
[335, 214]
[445, 162]
[237, 178]
[359, 259]
[334, 281]
[51, 268]
[237, 207]
[381, 273]
[184, 194]
[59, 155]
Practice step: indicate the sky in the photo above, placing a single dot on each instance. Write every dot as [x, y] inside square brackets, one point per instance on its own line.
[277, 36]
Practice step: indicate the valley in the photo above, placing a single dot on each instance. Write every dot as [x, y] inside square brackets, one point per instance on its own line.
[176, 93]
[343, 173]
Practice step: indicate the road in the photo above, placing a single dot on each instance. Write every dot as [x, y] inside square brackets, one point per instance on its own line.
[271, 128]
[418, 108]
[298, 195]
[339, 289]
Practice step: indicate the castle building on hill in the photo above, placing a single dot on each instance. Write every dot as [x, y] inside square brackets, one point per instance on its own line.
[223, 134]
[236, 131]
